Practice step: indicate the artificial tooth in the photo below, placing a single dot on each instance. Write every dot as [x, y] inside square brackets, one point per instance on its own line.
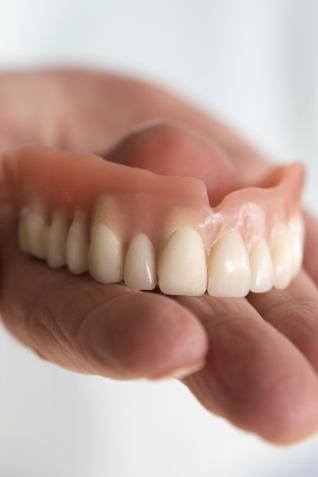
[33, 233]
[182, 266]
[77, 244]
[57, 240]
[282, 259]
[23, 239]
[262, 273]
[140, 264]
[229, 273]
[105, 255]
[296, 237]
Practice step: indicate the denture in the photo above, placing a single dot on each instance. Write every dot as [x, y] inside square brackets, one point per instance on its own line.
[127, 224]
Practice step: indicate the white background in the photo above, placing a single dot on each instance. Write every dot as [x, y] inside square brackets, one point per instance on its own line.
[255, 64]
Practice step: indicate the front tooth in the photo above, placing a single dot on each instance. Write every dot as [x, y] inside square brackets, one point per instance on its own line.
[282, 259]
[140, 264]
[262, 273]
[77, 244]
[182, 264]
[33, 233]
[229, 273]
[57, 240]
[296, 236]
[105, 254]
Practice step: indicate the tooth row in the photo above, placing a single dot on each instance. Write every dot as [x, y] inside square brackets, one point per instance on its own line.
[183, 266]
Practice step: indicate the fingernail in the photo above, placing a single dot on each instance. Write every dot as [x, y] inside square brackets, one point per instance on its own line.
[180, 373]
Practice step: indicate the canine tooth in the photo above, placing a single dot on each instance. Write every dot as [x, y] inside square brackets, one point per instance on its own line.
[105, 254]
[296, 236]
[262, 273]
[182, 266]
[229, 273]
[57, 240]
[282, 259]
[140, 264]
[77, 244]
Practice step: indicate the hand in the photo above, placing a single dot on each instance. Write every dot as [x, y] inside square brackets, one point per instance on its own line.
[260, 353]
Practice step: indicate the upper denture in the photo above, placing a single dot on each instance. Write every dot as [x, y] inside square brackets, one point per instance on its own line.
[239, 242]
[68, 181]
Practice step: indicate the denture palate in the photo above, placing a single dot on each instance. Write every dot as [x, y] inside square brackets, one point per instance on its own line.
[121, 223]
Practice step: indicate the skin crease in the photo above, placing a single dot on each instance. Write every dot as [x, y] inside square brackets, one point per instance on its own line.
[260, 353]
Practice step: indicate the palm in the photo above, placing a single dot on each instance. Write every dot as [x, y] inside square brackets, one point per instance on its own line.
[259, 373]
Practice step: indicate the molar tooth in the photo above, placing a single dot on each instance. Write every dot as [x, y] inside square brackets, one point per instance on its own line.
[38, 235]
[105, 254]
[182, 266]
[229, 273]
[262, 273]
[140, 264]
[33, 233]
[77, 244]
[296, 236]
[57, 240]
[23, 239]
[282, 259]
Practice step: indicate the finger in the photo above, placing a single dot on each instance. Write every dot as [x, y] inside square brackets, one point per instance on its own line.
[294, 312]
[97, 109]
[87, 327]
[253, 376]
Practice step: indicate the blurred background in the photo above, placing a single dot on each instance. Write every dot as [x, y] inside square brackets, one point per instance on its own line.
[253, 63]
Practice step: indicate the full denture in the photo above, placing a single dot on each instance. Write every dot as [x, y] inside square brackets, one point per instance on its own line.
[128, 224]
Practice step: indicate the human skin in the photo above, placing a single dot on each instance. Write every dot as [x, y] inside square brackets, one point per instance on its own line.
[258, 356]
